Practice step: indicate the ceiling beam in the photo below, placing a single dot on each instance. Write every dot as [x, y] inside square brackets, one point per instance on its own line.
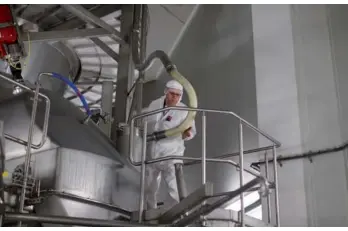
[64, 35]
[89, 17]
[106, 49]
[76, 22]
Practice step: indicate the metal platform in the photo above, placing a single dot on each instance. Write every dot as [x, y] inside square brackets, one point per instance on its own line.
[227, 218]
[166, 216]
[189, 210]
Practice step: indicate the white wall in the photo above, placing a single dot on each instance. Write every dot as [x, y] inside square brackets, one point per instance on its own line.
[278, 112]
[299, 72]
[338, 34]
[166, 22]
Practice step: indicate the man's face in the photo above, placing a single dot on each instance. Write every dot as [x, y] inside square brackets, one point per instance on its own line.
[172, 97]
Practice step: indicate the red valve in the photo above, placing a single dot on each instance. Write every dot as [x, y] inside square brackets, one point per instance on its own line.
[5, 14]
[8, 35]
[8, 32]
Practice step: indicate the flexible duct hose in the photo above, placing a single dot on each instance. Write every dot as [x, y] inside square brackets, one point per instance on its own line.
[190, 91]
[72, 85]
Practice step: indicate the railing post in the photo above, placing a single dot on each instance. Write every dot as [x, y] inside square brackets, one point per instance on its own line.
[142, 181]
[131, 139]
[275, 166]
[28, 153]
[179, 175]
[2, 170]
[241, 172]
[268, 195]
[204, 148]
[204, 156]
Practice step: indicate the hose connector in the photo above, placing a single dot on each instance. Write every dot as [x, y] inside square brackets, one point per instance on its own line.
[170, 67]
[156, 136]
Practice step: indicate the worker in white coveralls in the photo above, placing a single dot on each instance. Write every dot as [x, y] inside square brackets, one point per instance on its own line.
[171, 146]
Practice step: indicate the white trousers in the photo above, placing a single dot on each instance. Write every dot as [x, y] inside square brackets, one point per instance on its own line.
[154, 175]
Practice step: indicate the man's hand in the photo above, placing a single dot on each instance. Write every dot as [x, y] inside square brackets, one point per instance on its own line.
[186, 133]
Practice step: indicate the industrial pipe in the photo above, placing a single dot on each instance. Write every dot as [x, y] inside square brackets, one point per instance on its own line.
[68, 220]
[2, 171]
[179, 176]
[308, 155]
[2, 158]
[28, 152]
[191, 93]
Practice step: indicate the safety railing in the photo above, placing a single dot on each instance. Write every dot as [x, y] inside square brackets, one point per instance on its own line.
[45, 124]
[29, 143]
[203, 159]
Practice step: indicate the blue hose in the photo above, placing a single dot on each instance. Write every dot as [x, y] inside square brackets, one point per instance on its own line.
[78, 93]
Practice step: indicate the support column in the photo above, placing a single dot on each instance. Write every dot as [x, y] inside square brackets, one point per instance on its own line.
[125, 72]
[106, 106]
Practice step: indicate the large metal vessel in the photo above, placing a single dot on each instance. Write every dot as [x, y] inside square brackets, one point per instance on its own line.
[78, 165]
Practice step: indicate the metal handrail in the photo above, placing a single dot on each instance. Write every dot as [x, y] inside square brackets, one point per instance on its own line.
[229, 155]
[166, 158]
[45, 125]
[264, 134]
[275, 142]
[64, 220]
[30, 134]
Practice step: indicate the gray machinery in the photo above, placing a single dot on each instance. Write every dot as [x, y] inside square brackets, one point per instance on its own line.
[60, 168]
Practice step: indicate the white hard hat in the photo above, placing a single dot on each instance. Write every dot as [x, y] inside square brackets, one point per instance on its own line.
[173, 84]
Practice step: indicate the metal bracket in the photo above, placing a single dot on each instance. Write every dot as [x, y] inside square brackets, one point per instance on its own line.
[310, 159]
[279, 161]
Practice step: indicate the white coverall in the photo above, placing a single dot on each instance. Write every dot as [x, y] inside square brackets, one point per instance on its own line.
[171, 146]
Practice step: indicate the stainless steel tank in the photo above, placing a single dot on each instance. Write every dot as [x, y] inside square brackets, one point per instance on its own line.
[50, 57]
[78, 163]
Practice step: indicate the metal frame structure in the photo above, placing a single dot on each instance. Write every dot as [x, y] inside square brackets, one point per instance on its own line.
[63, 35]
[73, 27]
[101, 29]
[80, 16]
[129, 50]
[243, 187]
